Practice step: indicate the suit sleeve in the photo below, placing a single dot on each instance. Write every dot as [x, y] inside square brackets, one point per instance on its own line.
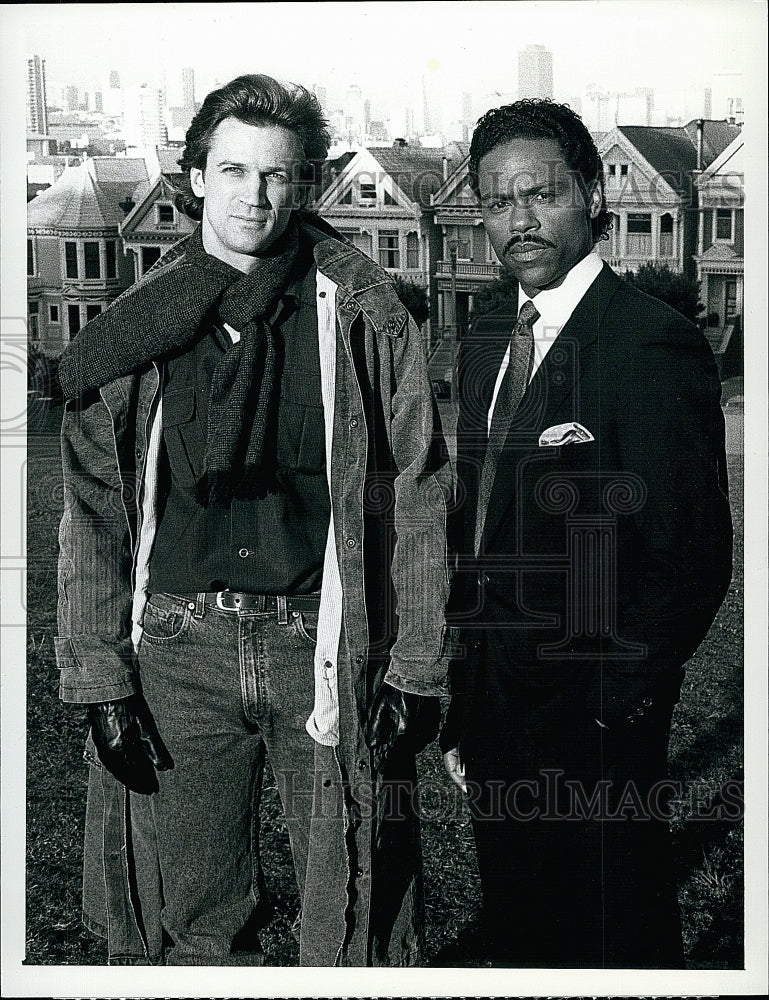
[670, 431]
[93, 647]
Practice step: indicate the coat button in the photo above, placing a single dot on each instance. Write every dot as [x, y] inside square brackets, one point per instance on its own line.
[359, 659]
[351, 543]
[243, 553]
[351, 305]
[354, 422]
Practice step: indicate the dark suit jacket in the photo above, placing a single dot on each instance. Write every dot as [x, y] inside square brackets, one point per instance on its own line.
[609, 558]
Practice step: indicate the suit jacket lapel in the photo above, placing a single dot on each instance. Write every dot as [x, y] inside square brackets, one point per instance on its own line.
[555, 380]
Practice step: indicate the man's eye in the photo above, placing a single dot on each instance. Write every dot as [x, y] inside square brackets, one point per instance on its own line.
[278, 176]
[497, 206]
[232, 170]
[544, 196]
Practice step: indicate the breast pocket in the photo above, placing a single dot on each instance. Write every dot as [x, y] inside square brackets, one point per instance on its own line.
[301, 427]
[183, 437]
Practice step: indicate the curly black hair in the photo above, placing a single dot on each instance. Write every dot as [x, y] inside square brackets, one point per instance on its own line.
[539, 118]
[254, 99]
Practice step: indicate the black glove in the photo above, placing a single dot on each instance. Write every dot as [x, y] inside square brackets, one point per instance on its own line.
[411, 720]
[128, 743]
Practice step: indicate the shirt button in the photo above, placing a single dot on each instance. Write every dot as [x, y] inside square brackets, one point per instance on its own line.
[321, 295]
[243, 553]
[362, 765]
[358, 872]
[359, 659]
[351, 543]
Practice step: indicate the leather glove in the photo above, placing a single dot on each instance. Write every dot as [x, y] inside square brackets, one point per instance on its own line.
[411, 720]
[128, 743]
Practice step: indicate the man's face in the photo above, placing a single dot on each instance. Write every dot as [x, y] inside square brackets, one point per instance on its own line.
[535, 212]
[249, 189]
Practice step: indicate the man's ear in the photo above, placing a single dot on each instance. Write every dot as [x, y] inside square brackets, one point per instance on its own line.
[595, 200]
[197, 182]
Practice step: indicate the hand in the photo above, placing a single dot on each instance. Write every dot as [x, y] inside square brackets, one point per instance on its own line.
[411, 720]
[455, 768]
[128, 743]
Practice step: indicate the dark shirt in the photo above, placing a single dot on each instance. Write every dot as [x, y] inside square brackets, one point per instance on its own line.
[271, 545]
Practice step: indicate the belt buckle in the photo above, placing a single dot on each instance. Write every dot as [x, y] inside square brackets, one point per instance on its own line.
[220, 601]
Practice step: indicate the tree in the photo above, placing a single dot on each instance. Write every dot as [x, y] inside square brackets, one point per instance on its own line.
[414, 298]
[677, 290]
[502, 291]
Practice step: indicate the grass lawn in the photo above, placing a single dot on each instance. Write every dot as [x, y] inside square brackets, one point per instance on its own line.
[706, 750]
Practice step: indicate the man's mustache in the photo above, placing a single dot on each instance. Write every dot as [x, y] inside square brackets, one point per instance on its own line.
[534, 240]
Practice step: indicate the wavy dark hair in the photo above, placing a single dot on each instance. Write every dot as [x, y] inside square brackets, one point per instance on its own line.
[254, 99]
[536, 118]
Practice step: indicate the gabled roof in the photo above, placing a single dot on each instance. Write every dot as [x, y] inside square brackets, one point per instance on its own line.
[168, 159]
[77, 200]
[329, 172]
[417, 172]
[672, 151]
[729, 160]
[720, 252]
[716, 136]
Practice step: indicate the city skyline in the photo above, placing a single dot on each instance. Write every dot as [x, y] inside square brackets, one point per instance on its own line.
[423, 46]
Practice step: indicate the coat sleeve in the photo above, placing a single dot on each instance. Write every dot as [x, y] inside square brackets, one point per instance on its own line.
[670, 431]
[423, 488]
[93, 647]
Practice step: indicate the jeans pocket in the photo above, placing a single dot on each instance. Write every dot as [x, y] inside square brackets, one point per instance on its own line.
[165, 618]
[306, 625]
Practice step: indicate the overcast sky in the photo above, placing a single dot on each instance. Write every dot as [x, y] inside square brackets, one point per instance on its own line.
[670, 45]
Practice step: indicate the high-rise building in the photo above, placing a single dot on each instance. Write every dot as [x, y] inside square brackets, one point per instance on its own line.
[144, 121]
[727, 91]
[71, 98]
[188, 87]
[37, 109]
[355, 114]
[114, 80]
[535, 72]
[322, 95]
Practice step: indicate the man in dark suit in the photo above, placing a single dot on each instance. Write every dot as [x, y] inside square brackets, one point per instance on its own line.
[595, 550]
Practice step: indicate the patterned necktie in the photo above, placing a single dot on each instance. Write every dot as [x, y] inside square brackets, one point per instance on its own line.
[511, 390]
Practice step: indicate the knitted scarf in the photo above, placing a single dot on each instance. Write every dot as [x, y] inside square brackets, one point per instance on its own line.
[168, 311]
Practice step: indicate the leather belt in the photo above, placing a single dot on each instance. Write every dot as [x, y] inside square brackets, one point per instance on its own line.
[233, 600]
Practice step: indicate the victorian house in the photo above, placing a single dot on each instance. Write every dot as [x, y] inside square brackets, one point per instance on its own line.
[380, 199]
[153, 223]
[75, 263]
[466, 261]
[651, 194]
[721, 237]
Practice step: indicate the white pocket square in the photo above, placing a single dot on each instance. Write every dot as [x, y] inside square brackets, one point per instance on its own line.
[571, 433]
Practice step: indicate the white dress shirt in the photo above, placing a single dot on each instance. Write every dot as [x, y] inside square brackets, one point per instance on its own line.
[555, 306]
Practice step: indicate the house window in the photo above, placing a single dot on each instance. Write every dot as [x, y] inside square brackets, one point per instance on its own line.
[92, 263]
[666, 235]
[149, 256]
[388, 199]
[639, 234]
[30, 257]
[73, 320]
[346, 198]
[165, 215]
[623, 169]
[730, 294]
[367, 194]
[110, 258]
[412, 251]
[33, 309]
[53, 313]
[612, 170]
[724, 224]
[91, 312]
[389, 254]
[70, 260]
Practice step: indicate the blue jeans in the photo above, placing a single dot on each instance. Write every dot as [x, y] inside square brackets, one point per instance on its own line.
[222, 687]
